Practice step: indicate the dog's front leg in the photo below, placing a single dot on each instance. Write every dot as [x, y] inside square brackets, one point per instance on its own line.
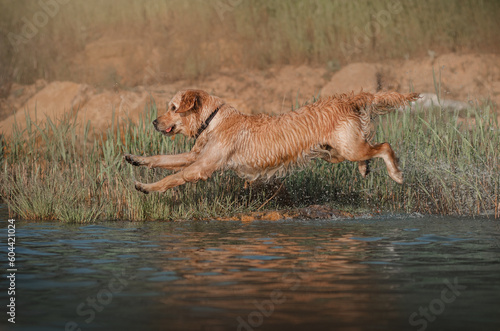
[200, 170]
[171, 162]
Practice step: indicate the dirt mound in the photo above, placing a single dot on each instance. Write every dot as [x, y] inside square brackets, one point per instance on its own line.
[354, 77]
[101, 107]
[56, 100]
[463, 78]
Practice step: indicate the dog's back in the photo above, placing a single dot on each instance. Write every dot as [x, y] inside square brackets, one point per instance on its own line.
[264, 145]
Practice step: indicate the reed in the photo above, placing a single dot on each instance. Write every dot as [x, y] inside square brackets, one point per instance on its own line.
[199, 37]
[51, 171]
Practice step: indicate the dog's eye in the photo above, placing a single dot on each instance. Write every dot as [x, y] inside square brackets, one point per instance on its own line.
[172, 108]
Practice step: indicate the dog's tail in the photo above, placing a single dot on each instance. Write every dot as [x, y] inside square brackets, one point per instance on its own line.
[370, 105]
[382, 102]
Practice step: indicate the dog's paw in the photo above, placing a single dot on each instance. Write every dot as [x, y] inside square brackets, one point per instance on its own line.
[132, 159]
[398, 177]
[140, 187]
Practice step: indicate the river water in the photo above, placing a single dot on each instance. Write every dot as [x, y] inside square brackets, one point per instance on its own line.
[397, 272]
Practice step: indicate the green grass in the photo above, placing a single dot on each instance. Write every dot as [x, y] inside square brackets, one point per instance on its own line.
[450, 167]
[195, 41]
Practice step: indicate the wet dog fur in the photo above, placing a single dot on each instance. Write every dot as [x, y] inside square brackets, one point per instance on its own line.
[335, 129]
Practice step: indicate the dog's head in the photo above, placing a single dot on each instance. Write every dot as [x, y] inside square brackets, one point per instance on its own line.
[184, 113]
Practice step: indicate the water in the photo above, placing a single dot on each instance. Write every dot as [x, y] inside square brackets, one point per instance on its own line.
[387, 273]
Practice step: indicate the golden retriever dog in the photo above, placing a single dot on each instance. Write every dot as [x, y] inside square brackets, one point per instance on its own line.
[335, 129]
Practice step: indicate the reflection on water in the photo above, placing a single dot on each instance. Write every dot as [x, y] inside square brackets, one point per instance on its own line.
[380, 274]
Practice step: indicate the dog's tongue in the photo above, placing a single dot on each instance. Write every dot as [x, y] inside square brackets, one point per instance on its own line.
[168, 130]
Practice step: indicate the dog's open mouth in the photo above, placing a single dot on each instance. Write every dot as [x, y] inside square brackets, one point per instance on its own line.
[169, 130]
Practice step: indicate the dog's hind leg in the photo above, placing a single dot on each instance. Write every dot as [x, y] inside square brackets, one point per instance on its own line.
[351, 144]
[330, 154]
[334, 157]
[364, 152]
[364, 168]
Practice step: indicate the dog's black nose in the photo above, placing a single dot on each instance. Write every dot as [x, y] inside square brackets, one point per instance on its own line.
[155, 123]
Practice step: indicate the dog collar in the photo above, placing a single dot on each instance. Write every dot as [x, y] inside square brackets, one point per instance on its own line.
[207, 122]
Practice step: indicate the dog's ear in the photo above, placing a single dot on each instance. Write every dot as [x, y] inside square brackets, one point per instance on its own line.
[191, 100]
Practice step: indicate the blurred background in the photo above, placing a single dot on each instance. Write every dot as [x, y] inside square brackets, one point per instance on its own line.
[92, 57]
